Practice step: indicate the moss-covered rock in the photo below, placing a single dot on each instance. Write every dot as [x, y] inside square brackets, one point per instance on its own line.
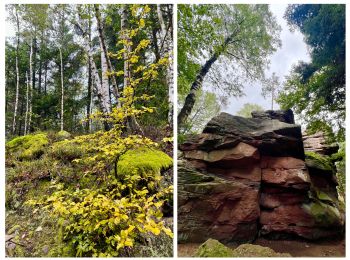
[249, 250]
[62, 135]
[27, 147]
[144, 161]
[317, 161]
[66, 151]
[213, 248]
[324, 215]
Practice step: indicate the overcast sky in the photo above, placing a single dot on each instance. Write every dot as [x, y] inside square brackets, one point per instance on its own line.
[293, 49]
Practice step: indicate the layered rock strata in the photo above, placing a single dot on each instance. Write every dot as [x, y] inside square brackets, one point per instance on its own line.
[245, 176]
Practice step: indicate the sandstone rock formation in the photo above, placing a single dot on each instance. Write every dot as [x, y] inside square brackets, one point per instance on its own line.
[247, 176]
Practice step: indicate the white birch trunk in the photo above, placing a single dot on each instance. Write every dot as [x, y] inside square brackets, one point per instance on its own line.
[168, 50]
[105, 82]
[62, 90]
[27, 105]
[30, 85]
[17, 76]
[104, 50]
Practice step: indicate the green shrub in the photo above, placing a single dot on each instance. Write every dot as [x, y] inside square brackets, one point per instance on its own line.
[27, 147]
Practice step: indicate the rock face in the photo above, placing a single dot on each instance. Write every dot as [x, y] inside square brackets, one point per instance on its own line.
[317, 143]
[242, 174]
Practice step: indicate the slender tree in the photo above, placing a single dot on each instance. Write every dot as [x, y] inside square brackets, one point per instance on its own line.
[17, 69]
[166, 40]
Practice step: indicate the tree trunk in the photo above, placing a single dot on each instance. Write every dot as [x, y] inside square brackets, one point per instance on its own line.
[31, 73]
[62, 90]
[169, 75]
[154, 34]
[17, 76]
[133, 125]
[27, 105]
[90, 95]
[45, 79]
[104, 50]
[196, 85]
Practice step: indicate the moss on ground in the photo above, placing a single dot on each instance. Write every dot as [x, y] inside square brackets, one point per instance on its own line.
[27, 147]
[66, 151]
[249, 250]
[213, 248]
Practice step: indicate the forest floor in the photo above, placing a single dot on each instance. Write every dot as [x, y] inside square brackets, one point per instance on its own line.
[297, 248]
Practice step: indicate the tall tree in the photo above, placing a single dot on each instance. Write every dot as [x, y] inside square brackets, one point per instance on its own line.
[166, 40]
[15, 10]
[316, 90]
[106, 64]
[242, 35]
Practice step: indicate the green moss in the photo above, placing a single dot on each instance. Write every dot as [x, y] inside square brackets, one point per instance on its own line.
[144, 161]
[315, 160]
[213, 248]
[325, 215]
[66, 151]
[249, 250]
[27, 147]
[62, 135]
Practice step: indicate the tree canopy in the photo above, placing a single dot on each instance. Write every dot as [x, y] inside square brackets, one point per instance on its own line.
[224, 46]
[316, 90]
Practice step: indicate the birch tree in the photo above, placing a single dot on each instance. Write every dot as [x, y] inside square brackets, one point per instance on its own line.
[16, 14]
[166, 40]
[107, 65]
[243, 36]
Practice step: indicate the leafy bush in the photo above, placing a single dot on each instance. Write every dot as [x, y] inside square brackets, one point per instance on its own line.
[103, 222]
[27, 147]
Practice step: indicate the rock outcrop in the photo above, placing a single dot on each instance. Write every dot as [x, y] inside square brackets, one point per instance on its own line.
[247, 176]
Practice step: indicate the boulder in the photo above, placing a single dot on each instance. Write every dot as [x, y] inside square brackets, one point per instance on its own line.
[249, 250]
[285, 116]
[213, 248]
[213, 207]
[271, 137]
[27, 147]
